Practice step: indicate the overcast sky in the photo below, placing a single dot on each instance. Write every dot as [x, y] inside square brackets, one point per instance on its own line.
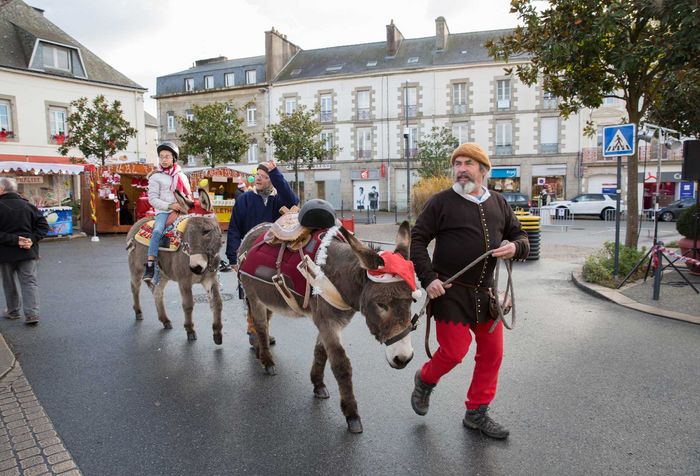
[144, 39]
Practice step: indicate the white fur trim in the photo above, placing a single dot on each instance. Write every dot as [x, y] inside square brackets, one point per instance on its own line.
[417, 294]
[322, 255]
[384, 278]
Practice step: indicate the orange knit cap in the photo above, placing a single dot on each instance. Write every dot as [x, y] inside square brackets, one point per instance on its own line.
[473, 151]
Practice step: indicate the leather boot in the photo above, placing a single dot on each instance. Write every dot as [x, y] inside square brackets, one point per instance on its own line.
[420, 398]
[149, 271]
[479, 419]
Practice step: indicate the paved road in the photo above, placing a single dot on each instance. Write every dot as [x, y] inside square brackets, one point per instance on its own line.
[586, 386]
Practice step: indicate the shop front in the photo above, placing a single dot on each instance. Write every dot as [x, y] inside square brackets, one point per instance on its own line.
[505, 179]
[221, 184]
[670, 186]
[551, 177]
[51, 187]
[365, 189]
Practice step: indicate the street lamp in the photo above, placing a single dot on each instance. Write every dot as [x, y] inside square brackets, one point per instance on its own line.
[406, 134]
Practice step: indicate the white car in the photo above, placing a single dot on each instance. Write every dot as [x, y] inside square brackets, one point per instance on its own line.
[595, 204]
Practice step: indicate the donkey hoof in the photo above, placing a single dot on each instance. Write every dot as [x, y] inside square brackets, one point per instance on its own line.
[168, 325]
[270, 370]
[192, 335]
[320, 391]
[354, 425]
[218, 339]
[139, 316]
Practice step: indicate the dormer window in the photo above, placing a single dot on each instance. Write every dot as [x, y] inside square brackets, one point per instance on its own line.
[56, 57]
[413, 59]
[334, 68]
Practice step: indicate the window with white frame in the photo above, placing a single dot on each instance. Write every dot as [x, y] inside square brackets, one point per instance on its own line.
[290, 104]
[189, 115]
[411, 99]
[504, 137]
[549, 100]
[56, 57]
[6, 116]
[229, 79]
[250, 76]
[250, 115]
[171, 121]
[549, 135]
[252, 153]
[326, 113]
[459, 98]
[461, 132]
[503, 94]
[191, 160]
[208, 82]
[609, 101]
[57, 120]
[189, 84]
[364, 143]
[327, 138]
[412, 141]
[363, 111]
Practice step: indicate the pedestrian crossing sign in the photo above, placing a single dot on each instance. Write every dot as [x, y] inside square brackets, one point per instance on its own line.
[619, 140]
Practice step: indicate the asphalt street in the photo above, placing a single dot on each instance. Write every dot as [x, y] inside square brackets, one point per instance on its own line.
[586, 386]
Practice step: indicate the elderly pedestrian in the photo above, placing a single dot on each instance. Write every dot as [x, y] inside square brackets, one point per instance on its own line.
[465, 221]
[262, 204]
[22, 226]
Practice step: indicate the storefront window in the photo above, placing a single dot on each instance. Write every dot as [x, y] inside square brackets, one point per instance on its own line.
[555, 185]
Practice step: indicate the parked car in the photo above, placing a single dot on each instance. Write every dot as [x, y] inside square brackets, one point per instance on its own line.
[594, 204]
[517, 200]
[672, 211]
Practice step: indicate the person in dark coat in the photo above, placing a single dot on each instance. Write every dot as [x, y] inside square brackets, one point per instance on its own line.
[260, 205]
[22, 225]
[465, 221]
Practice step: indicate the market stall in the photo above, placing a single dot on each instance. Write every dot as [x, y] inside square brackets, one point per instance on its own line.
[111, 194]
[51, 186]
[221, 183]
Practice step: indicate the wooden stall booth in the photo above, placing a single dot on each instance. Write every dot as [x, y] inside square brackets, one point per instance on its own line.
[115, 193]
[222, 184]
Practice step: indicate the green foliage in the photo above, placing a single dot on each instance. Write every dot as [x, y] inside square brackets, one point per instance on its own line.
[686, 222]
[97, 129]
[599, 267]
[297, 139]
[426, 188]
[214, 133]
[434, 152]
[585, 50]
[677, 103]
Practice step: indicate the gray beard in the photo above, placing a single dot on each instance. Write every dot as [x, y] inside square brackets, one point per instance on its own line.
[465, 189]
[265, 194]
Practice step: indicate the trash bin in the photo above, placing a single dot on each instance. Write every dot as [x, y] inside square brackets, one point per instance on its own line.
[348, 223]
[531, 225]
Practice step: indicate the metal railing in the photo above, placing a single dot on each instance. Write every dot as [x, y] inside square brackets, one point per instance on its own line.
[554, 217]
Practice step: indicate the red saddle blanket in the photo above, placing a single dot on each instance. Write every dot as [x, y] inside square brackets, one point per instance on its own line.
[261, 261]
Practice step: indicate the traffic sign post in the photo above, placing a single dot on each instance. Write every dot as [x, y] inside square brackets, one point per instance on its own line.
[618, 141]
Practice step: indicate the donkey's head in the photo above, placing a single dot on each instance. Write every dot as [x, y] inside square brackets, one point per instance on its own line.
[386, 298]
[201, 239]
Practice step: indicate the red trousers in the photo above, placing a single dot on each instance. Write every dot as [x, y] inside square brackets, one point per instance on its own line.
[454, 340]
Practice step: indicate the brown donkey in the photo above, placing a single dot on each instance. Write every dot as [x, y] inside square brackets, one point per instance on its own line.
[386, 307]
[196, 261]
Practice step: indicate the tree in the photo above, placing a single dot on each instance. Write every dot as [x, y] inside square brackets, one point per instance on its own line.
[434, 152]
[297, 139]
[678, 103]
[585, 50]
[97, 129]
[214, 133]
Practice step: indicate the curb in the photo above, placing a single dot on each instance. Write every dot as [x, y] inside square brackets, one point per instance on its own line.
[622, 300]
[7, 358]
[81, 234]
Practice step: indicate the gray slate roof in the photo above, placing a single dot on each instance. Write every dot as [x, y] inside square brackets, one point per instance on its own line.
[21, 26]
[174, 83]
[462, 48]
[150, 120]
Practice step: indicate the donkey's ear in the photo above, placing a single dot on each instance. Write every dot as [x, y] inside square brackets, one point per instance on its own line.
[403, 240]
[369, 259]
[182, 200]
[204, 199]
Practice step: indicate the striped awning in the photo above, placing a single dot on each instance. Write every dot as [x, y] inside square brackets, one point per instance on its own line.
[40, 168]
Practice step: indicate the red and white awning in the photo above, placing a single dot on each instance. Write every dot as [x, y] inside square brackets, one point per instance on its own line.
[39, 168]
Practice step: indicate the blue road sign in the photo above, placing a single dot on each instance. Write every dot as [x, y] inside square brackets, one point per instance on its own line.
[619, 140]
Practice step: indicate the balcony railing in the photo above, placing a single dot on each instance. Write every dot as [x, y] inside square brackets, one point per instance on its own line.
[649, 154]
[504, 150]
[410, 111]
[326, 116]
[459, 108]
[364, 154]
[549, 148]
[412, 152]
[549, 103]
[363, 114]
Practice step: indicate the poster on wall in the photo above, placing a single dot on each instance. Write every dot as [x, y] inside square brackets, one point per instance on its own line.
[365, 195]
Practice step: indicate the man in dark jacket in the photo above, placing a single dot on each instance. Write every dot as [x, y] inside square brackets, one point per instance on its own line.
[262, 204]
[21, 227]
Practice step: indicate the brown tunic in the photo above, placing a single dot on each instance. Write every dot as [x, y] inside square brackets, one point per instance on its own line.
[463, 230]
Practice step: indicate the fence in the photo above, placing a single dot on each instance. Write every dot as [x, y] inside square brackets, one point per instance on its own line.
[554, 217]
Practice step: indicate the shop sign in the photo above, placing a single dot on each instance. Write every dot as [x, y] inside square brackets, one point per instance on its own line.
[686, 190]
[541, 181]
[510, 172]
[365, 174]
[665, 177]
[29, 180]
[217, 178]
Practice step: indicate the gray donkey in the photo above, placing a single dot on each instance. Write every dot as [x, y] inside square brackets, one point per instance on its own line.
[386, 307]
[196, 261]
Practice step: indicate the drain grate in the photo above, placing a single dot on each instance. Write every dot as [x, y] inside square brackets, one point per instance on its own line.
[202, 298]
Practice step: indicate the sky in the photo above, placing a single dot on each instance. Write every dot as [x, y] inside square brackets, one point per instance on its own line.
[144, 39]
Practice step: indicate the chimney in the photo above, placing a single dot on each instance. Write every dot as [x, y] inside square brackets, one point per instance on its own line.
[441, 33]
[278, 51]
[393, 39]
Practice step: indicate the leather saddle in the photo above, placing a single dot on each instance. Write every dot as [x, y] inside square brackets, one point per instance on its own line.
[288, 231]
[172, 238]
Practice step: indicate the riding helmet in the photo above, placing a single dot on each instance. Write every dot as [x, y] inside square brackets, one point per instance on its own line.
[171, 146]
[317, 213]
